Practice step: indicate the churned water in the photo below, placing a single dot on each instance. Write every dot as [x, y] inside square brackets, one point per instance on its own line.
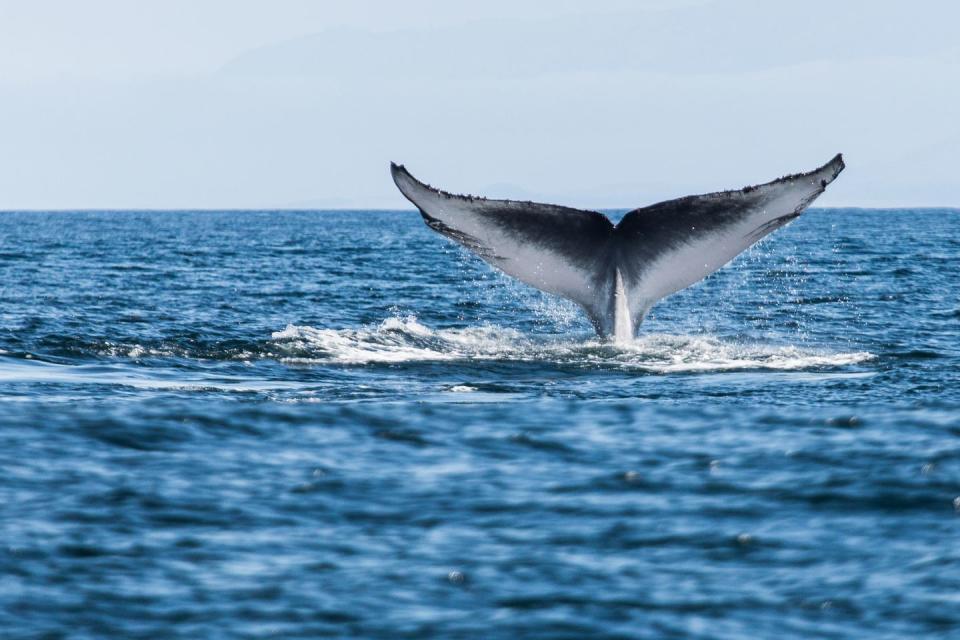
[309, 424]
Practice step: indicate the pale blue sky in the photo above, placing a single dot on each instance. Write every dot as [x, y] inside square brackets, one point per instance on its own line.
[239, 104]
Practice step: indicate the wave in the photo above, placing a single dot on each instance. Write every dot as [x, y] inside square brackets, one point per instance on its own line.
[400, 340]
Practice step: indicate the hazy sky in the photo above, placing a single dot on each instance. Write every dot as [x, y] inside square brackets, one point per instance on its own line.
[241, 104]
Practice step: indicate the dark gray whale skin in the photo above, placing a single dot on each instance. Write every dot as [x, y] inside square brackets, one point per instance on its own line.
[652, 252]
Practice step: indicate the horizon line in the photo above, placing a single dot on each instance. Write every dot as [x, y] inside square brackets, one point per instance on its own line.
[382, 209]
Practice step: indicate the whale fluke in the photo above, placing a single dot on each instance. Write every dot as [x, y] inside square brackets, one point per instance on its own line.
[616, 273]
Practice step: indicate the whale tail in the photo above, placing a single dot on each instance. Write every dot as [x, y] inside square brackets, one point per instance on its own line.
[616, 273]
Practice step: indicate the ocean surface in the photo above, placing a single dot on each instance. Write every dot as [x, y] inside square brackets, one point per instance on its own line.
[307, 424]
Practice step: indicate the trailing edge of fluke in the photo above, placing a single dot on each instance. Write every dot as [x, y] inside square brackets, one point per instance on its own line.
[616, 273]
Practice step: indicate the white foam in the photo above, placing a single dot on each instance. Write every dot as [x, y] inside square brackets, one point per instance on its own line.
[407, 340]
[394, 340]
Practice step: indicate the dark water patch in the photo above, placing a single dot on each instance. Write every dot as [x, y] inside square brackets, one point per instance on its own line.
[406, 436]
[915, 354]
[823, 300]
[951, 313]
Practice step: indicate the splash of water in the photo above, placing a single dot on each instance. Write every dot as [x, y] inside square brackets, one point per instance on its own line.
[405, 339]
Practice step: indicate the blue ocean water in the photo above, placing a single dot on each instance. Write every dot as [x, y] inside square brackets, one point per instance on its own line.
[308, 424]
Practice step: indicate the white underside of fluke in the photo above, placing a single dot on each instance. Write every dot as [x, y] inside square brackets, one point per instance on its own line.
[622, 323]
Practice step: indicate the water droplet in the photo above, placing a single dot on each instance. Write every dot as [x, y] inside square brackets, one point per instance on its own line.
[456, 577]
[744, 539]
